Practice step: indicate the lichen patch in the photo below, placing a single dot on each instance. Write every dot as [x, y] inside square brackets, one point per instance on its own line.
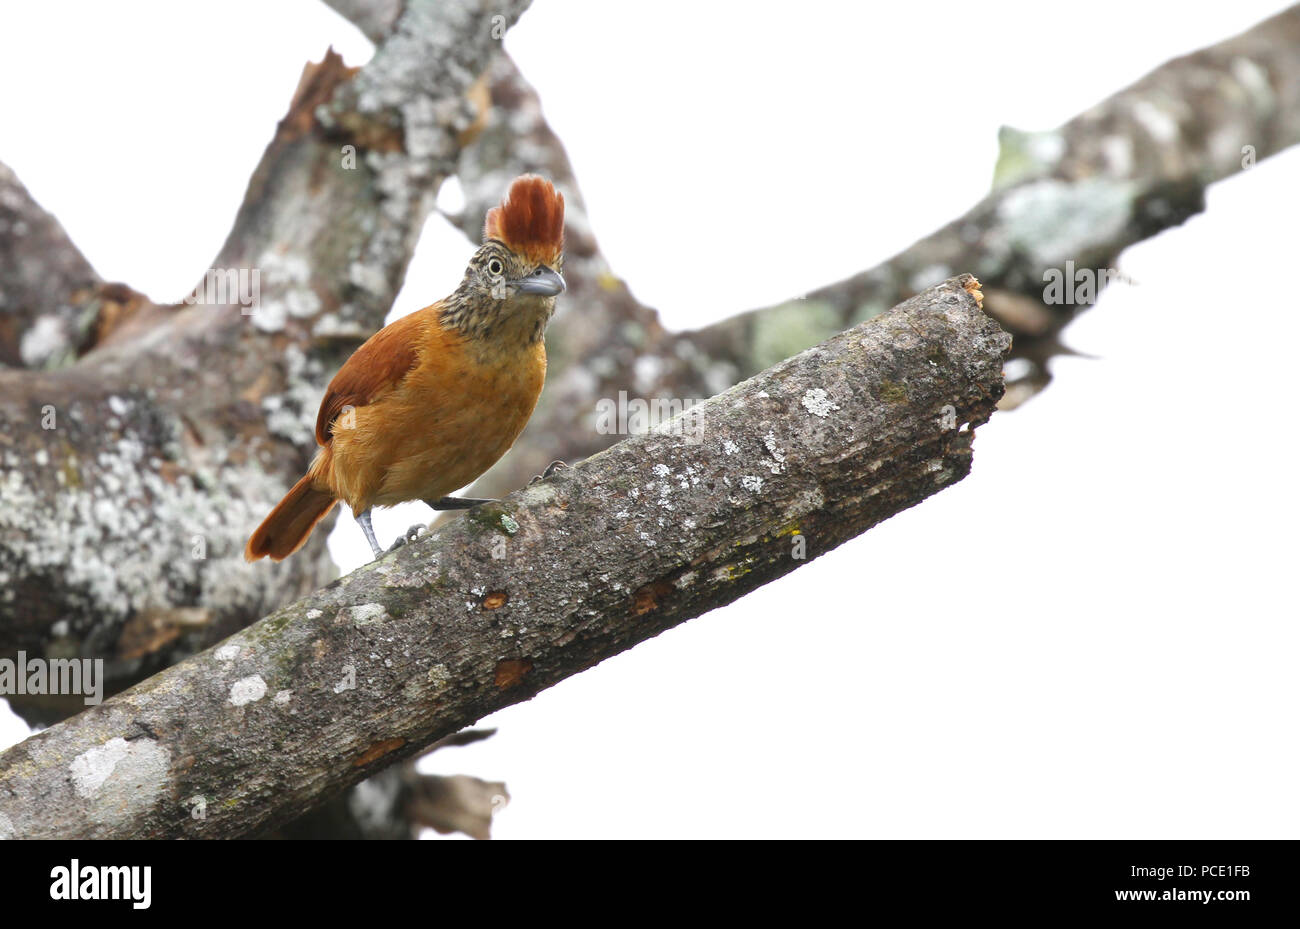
[817, 402]
[247, 690]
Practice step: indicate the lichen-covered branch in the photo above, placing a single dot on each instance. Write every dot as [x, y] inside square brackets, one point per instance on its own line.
[1130, 167]
[520, 594]
[132, 478]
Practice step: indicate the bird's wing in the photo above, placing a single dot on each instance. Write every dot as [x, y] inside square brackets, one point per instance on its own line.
[373, 370]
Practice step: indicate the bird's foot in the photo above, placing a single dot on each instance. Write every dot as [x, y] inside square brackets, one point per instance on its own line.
[551, 468]
[363, 520]
[410, 535]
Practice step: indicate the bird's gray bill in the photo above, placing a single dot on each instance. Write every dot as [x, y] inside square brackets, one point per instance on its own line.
[543, 282]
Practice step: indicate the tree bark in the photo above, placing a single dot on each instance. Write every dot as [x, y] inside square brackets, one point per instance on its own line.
[522, 593]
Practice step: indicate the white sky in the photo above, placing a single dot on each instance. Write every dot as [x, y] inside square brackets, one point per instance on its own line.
[1091, 636]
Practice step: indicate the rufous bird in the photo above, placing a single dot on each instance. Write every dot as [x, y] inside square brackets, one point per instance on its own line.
[432, 400]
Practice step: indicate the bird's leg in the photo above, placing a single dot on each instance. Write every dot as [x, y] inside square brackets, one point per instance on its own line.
[550, 469]
[363, 520]
[456, 503]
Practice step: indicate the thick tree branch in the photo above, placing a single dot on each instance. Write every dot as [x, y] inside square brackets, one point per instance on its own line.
[518, 595]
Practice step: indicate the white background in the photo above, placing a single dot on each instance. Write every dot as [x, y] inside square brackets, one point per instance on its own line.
[1092, 636]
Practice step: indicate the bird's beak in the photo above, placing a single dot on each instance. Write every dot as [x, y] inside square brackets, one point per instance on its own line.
[543, 282]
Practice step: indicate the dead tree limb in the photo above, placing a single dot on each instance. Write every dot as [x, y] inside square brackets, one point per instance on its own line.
[523, 593]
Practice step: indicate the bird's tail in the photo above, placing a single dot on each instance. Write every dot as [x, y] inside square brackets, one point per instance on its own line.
[285, 530]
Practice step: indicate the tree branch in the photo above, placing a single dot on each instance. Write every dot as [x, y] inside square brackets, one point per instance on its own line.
[1132, 166]
[521, 594]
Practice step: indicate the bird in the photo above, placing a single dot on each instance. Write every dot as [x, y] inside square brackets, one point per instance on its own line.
[434, 399]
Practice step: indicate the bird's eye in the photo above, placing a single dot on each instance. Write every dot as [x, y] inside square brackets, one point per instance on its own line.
[495, 266]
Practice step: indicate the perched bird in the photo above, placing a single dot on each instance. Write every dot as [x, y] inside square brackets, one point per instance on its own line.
[432, 400]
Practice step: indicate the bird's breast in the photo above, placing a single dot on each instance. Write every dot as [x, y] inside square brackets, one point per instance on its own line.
[453, 417]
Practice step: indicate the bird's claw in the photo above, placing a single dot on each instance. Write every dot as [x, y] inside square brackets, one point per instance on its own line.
[551, 468]
[410, 535]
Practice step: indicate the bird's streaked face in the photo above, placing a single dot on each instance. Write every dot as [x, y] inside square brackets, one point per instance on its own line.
[505, 295]
[506, 275]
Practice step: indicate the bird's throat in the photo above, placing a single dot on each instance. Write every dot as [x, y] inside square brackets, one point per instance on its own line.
[499, 326]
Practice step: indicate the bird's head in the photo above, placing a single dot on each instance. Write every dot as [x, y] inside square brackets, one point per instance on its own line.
[510, 286]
